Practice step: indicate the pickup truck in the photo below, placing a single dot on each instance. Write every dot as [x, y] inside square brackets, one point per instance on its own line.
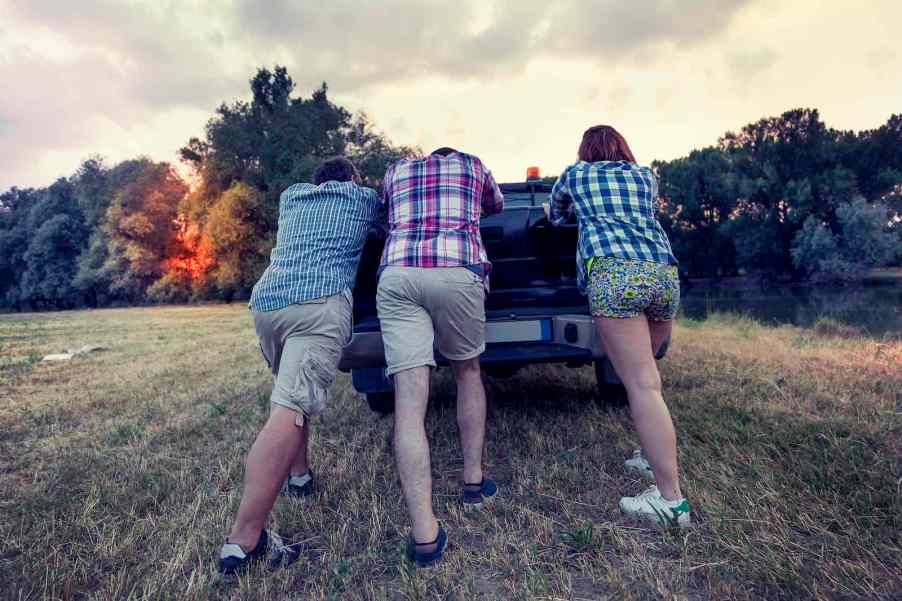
[534, 312]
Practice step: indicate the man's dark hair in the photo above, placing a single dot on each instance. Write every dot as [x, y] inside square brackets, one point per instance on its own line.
[336, 169]
[444, 151]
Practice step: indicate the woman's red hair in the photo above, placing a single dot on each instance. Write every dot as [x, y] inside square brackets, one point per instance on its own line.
[604, 143]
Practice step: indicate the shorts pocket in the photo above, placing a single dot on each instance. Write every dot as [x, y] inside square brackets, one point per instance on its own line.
[464, 274]
[344, 313]
[314, 379]
[265, 358]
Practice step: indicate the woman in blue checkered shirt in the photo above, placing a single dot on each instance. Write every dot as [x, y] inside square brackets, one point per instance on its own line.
[628, 271]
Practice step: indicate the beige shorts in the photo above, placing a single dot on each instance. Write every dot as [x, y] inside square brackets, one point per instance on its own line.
[302, 344]
[422, 308]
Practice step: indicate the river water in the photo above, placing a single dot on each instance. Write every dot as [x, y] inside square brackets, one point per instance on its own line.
[876, 310]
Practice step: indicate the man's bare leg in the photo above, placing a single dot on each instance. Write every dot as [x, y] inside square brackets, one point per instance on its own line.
[412, 451]
[267, 465]
[471, 409]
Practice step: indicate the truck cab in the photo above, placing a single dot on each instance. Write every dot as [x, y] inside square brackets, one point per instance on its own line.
[534, 310]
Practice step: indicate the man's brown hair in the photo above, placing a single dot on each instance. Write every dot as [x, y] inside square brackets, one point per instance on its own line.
[604, 143]
[444, 151]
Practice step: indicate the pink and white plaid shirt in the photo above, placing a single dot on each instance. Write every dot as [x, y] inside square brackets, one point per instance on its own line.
[434, 205]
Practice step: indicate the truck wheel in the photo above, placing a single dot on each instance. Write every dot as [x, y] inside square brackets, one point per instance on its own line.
[611, 393]
[381, 402]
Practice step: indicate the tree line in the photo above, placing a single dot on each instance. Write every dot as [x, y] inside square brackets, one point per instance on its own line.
[787, 198]
[784, 197]
[137, 232]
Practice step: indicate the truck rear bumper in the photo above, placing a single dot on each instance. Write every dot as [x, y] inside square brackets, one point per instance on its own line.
[571, 338]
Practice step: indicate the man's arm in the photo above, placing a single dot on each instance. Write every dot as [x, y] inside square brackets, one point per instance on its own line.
[561, 202]
[492, 198]
[380, 216]
[382, 198]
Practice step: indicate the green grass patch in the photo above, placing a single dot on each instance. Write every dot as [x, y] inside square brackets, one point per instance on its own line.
[120, 474]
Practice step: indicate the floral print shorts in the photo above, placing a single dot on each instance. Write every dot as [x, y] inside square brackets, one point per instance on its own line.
[621, 288]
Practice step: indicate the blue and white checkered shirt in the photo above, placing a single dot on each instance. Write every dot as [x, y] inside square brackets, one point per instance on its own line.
[321, 234]
[615, 204]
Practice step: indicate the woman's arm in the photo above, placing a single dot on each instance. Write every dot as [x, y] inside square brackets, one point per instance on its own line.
[561, 201]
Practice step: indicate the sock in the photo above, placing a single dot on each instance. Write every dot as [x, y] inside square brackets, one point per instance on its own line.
[300, 480]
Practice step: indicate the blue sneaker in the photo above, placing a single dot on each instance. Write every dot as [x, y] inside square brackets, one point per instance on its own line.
[424, 559]
[474, 496]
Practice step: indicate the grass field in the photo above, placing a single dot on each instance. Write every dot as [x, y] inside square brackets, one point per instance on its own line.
[120, 471]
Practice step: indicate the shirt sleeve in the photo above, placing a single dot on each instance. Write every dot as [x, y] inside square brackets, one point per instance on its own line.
[385, 196]
[381, 198]
[380, 212]
[561, 201]
[492, 198]
[289, 193]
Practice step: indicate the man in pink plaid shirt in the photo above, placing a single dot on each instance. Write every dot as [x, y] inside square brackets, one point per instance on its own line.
[432, 294]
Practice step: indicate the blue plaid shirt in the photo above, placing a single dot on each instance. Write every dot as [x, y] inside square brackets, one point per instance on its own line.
[615, 204]
[322, 230]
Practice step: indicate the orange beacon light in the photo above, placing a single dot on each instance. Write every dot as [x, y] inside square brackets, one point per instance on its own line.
[533, 173]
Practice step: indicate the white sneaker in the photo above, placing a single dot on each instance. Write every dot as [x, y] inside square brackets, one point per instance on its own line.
[637, 463]
[652, 506]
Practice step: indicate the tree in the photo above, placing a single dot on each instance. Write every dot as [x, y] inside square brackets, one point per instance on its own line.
[866, 235]
[15, 206]
[783, 167]
[865, 241]
[372, 152]
[697, 196]
[815, 251]
[56, 236]
[876, 157]
[141, 226]
[238, 241]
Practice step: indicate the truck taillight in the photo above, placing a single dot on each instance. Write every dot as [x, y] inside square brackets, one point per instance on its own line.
[533, 173]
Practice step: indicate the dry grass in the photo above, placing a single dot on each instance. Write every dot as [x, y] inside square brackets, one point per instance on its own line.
[119, 471]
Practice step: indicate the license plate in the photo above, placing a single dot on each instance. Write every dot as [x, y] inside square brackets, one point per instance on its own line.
[536, 330]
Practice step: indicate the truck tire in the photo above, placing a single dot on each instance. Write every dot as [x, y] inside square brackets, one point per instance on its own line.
[381, 402]
[611, 394]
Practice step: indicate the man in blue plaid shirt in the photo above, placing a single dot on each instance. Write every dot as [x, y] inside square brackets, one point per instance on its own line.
[302, 315]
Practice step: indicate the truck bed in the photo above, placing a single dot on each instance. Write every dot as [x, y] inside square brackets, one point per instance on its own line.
[533, 264]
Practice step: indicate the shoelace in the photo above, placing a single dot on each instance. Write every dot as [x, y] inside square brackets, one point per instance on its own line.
[277, 545]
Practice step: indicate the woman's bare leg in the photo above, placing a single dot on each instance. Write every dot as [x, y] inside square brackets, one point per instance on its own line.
[660, 332]
[628, 343]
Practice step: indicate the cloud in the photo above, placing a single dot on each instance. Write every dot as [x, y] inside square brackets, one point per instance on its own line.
[881, 56]
[360, 44]
[75, 68]
[747, 64]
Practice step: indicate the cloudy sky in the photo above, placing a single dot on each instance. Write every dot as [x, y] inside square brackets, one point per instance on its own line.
[514, 81]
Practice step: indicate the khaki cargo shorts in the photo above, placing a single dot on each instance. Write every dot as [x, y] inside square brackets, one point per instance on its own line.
[302, 344]
[422, 308]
